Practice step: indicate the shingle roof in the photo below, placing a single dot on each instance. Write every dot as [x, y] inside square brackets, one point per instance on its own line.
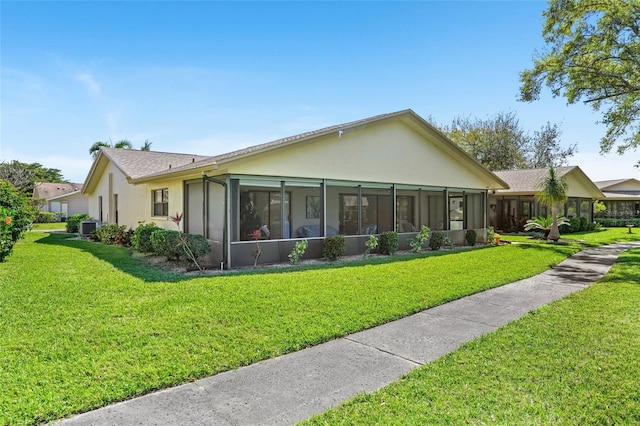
[46, 190]
[604, 184]
[136, 164]
[207, 161]
[527, 180]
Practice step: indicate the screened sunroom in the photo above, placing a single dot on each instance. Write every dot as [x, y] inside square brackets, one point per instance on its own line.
[275, 212]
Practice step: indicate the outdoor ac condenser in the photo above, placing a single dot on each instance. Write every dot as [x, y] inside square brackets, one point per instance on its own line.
[87, 227]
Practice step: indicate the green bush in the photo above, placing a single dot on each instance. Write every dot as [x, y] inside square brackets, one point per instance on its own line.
[333, 247]
[298, 251]
[422, 236]
[73, 222]
[170, 243]
[370, 245]
[436, 240]
[471, 237]
[141, 240]
[16, 215]
[46, 217]
[389, 243]
[618, 223]
[114, 234]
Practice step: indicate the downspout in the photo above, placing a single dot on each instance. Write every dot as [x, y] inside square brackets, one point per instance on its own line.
[225, 231]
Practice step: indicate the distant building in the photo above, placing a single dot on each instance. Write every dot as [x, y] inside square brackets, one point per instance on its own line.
[63, 198]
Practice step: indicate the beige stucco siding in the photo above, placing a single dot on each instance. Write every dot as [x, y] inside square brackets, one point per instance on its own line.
[134, 201]
[577, 187]
[388, 152]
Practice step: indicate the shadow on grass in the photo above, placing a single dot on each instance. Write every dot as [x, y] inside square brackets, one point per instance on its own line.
[627, 269]
[122, 259]
[118, 256]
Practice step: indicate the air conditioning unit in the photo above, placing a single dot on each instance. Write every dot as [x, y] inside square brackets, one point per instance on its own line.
[87, 227]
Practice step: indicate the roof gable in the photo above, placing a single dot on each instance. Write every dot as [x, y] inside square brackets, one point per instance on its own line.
[619, 185]
[407, 117]
[525, 181]
[46, 190]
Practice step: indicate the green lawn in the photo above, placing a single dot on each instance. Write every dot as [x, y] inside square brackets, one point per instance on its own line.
[85, 324]
[576, 361]
[49, 226]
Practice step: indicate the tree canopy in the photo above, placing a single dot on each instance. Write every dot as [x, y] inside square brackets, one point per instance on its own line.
[95, 148]
[500, 143]
[24, 175]
[593, 56]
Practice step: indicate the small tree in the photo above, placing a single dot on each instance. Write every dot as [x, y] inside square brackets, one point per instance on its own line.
[552, 191]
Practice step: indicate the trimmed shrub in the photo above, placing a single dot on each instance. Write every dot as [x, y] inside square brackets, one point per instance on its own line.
[618, 223]
[471, 237]
[114, 234]
[73, 222]
[436, 240]
[389, 243]
[16, 215]
[45, 217]
[333, 247]
[141, 240]
[169, 243]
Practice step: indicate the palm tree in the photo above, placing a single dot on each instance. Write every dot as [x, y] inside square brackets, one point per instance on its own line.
[552, 191]
[146, 146]
[122, 144]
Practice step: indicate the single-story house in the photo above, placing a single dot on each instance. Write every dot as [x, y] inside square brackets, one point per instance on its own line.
[509, 209]
[65, 199]
[621, 198]
[389, 172]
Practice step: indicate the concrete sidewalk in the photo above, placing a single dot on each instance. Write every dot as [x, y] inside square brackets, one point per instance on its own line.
[293, 387]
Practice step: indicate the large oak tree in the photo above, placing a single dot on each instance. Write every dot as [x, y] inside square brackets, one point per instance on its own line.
[593, 56]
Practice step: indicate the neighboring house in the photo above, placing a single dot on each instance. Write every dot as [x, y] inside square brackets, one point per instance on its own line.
[65, 199]
[621, 198]
[389, 172]
[509, 209]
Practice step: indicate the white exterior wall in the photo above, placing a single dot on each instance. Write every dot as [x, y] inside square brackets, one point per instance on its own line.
[134, 201]
[390, 152]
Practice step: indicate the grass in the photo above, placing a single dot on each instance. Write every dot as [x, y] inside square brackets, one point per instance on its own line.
[575, 361]
[84, 324]
[49, 226]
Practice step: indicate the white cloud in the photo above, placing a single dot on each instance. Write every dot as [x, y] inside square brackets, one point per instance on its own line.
[89, 83]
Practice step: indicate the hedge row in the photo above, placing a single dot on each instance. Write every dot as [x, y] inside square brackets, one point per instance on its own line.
[617, 223]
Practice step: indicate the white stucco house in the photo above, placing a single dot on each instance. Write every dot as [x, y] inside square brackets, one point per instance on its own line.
[389, 172]
[64, 198]
[621, 198]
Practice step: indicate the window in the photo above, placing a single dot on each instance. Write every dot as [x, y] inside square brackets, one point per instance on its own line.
[100, 208]
[456, 212]
[261, 210]
[404, 213]
[160, 202]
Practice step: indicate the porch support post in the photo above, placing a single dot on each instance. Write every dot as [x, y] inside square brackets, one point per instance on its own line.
[394, 207]
[445, 209]
[485, 204]
[419, 221]
[323, 211]
[359, 209]
[283, 218]
[465, 213]
[204, 207]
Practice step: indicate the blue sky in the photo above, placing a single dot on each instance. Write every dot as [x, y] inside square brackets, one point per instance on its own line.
[208, 77]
